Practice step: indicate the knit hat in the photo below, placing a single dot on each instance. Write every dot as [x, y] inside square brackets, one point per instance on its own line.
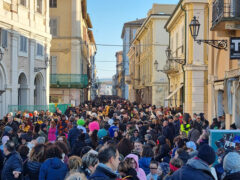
[5, 139]
[231, 162]
[94, 126]
[207, 154]
[102, 133]
[80, 122]
[43, 126]
[41, 140]
[191, 145]
[7, 129]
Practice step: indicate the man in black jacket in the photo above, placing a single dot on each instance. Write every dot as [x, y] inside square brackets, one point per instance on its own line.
[13, 165]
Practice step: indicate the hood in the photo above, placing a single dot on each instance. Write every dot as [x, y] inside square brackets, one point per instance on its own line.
[197, 163]
[145, 161]
[162, 140]
[135, 157]
[55, 163]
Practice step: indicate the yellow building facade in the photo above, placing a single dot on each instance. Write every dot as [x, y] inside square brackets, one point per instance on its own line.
[149, 85]
[119, 74]
[72, 52]
[224, 72]
[188, 63]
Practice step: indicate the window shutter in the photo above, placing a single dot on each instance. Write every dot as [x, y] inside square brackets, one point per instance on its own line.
[53, 27]
[53, 65]
[4, 38]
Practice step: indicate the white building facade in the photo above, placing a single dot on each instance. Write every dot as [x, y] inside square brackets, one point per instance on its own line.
[25, 43]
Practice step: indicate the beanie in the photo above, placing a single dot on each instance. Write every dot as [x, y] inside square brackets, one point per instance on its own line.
[43, 126]
[102, 133]
[191, 145]
[231, 162]
[94, 126]
[80, 122]
[7, 129]
[207, 154]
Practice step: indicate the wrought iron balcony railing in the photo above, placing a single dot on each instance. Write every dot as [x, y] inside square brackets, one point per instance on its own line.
[225, 10]
[78, 81]
[171, 67]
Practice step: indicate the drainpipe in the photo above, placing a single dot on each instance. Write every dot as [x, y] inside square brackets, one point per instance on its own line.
[184, 84]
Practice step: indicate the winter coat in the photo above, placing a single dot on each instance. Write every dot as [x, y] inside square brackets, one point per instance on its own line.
[185, 128]
[73, 135]
[52, 134]
[13, 162]
[140, 173]
[53, 168]
[234, 176]
[168, 133]
[144, 163]
[164, 149]
[177, 127]
[103, 172]
[43, 134]
[195, 169]
[194, 135]
[32, 169]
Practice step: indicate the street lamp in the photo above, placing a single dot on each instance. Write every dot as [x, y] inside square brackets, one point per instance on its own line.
[37, 69]
[156, 67]
[194, 29]
[1, 92]
[1, 53]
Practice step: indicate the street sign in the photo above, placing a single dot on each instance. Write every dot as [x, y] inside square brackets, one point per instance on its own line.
[235, 48]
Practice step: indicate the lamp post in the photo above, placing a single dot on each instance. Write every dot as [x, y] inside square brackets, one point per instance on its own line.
[194, 29]
[1, 53]
[37, 69]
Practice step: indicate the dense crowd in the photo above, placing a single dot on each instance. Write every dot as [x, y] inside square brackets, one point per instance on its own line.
[109, 139]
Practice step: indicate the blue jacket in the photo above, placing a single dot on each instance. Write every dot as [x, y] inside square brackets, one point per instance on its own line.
[32, 169]
[144, 163]
[103, 172]
[73, 135]
[13, 162]
[195, 169]
[53, 168]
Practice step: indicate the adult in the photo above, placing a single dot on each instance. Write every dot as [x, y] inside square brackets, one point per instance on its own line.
[197, 168]
[89, 163]
[144, 161]
[231, 166]
[74, 133]
[109, 161]
[12, 168]
[194, 133]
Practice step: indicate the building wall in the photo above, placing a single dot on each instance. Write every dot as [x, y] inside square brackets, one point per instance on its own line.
[23, 85]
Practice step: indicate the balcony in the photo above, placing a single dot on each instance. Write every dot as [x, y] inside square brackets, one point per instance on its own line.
[171, 67]
[128, 79]
[78, 81]
[226, 15]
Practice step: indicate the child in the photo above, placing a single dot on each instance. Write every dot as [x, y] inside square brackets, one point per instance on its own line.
[153, 175]
[52, 132]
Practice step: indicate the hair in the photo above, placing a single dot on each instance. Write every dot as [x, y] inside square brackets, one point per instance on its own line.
[177, 162]
[147, 151]
[63, 146]
[85, 150]
[123, 167]
[154, 162]
[23, 150]
[64, 139]
[89, 159]
[53, 124]
[52, 151]
[125, 146]
[38, 153]
[107, 153]
[10, 145]
[74, 163]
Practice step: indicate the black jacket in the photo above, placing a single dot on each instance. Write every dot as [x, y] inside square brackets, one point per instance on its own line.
[102, 173]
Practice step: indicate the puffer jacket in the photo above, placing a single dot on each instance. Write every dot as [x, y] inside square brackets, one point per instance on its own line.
[12, 163]
[144, 163]
[195, 169]
[32, 169]
[53, 168]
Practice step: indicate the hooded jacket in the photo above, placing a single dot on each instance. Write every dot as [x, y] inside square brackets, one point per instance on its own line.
[32, 169]
[164, 150]
[144, 163]
[103, 172]
[53, 168]
[195, 169]
[140, 173]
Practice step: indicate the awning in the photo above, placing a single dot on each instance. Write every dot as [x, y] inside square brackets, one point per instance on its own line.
[174, 92]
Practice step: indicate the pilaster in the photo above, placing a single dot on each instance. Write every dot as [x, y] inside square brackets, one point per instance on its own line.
[31, 71]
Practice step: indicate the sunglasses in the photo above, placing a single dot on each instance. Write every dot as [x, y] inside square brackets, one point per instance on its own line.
[152, 168]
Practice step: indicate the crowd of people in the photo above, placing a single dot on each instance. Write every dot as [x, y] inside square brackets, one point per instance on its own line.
[112, 139]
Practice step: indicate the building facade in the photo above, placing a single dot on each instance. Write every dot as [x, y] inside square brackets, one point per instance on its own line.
[72, 52]
[128, 34]
[148, 84]
[119, 74]
[223, 66]
[187, 67]
[25, 43]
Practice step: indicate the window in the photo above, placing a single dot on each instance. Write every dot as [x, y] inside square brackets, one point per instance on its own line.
[4, 38]
[23, 2]
[53, 3]
[39, 50]
[23, 44]
[39, 6]
[53, 26]
[53, 63]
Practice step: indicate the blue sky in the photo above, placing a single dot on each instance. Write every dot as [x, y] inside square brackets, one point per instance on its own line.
[108, 17]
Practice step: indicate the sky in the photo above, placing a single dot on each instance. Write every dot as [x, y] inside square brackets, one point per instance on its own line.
[108, 18]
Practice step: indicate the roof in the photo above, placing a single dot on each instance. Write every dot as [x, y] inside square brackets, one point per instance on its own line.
[136, 23]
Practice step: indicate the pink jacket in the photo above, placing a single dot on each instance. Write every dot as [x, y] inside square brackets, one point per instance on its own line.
[140, 172]
[52, 134]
